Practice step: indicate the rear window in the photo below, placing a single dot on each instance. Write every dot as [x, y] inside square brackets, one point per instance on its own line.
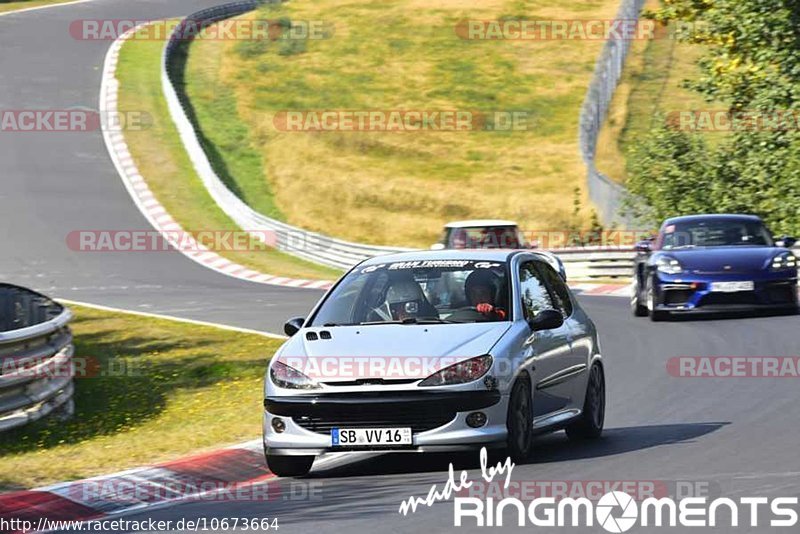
[485, 237]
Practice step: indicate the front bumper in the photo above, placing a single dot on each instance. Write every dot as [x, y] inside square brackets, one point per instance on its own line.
[437, 419]
[688, 294]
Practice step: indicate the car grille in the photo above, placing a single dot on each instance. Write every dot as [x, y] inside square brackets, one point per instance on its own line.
[673, 297]
[418, 420]
[729, 299]
[782, 294]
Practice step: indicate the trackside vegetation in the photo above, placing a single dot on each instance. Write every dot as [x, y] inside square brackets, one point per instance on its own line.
[146, 391]
[399, 187]
[748, 62]
[162, 160]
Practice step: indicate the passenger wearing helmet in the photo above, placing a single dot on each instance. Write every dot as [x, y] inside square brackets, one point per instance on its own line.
[481, 288]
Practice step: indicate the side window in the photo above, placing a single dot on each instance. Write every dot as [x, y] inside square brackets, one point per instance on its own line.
[558, 290]
[533, 291]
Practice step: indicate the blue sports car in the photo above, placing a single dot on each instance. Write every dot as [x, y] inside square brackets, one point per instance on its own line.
[713, 263]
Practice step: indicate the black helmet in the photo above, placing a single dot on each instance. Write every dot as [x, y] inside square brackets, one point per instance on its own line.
[482, 277]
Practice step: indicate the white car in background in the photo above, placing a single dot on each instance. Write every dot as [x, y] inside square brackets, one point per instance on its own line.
[490, 234]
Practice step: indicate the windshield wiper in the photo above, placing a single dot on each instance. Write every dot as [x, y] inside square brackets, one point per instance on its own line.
[410, 320]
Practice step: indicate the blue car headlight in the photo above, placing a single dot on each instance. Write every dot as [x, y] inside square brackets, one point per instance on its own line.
[669, 265]
[783, 261]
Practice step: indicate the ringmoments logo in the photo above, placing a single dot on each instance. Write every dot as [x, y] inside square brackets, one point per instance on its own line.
[615, 511]
[618, 511]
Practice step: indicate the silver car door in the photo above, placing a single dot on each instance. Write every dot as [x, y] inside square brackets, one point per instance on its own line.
[549, 350]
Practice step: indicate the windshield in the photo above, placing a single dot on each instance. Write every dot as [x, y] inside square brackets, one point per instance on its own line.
[716, 233]
[485, 237]
[419, 292]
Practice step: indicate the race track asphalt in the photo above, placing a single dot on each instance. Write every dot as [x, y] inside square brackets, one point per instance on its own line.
[52, 183]
[736, 437]
[722, 436]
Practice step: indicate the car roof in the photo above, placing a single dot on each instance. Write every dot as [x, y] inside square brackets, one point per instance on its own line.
[479, 222]
[700, 217]
[481, 254]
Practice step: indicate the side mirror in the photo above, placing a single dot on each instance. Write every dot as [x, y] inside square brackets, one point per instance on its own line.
[293, 325]
[786, 241]
[437, 246]
[546, 320]
[644, 246]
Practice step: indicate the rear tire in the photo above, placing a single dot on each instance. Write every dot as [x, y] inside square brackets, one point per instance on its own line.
[290, 466]
[590, 423]
[519, 421]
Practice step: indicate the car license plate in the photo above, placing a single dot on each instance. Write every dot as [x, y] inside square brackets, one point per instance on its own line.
[356, 437]
[732, 287]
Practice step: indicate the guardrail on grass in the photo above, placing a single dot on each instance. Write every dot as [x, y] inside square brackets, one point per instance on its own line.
[606, 194]
[35, 357]
[310, 246]
[581, 264]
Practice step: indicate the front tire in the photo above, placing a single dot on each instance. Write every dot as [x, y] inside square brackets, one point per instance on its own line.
[519, 421]
[590, 423]
[655, 315]
[290, 466]
[638, 308]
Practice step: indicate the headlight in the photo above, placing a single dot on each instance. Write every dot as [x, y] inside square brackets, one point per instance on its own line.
[460, 373]
[289, 377]
[669, 265]
[785, 260]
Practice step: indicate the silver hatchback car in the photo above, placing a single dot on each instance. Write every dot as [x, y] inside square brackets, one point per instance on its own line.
[435, 351]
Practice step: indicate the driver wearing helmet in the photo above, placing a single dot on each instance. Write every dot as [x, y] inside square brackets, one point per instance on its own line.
[405, 300]
[481, 288]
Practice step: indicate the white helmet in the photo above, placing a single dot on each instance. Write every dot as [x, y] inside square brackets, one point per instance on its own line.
[403, 291]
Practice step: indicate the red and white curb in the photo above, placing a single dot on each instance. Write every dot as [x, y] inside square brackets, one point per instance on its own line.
[149, 205]
[224, 474]
[605, 290]
[163, 222]
[236, 473]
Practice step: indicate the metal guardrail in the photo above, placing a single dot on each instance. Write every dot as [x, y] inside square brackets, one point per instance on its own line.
[590, 263]
[605, 193]
[310, 246]
[581, 264]
[35, 357]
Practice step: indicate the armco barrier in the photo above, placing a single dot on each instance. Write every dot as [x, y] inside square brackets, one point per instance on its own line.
[591, 263]
[342, 254]
[35, 357]
[311, 246]
[606, 195]
[581, 264]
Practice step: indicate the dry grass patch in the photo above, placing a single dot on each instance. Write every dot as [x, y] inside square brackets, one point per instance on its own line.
[399, 188]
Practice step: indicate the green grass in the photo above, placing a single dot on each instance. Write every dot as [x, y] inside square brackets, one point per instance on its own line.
[651, 87]
[162, 160]
[399, 188]
[14, 5]
[170, 389]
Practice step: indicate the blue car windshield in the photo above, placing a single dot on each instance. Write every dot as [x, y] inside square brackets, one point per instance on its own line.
[419, 292]
[715, 233]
